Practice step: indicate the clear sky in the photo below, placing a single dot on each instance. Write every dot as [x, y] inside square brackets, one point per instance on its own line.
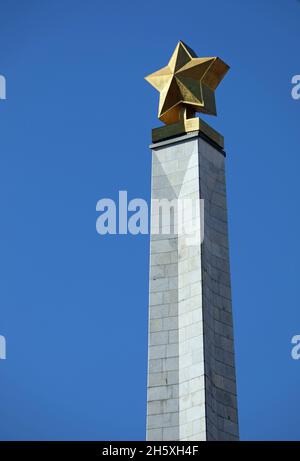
[75, 128]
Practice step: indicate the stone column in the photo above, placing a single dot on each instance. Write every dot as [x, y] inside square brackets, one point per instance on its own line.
[191, 371]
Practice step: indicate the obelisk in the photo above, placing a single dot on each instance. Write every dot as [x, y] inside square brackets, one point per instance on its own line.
[191, 390]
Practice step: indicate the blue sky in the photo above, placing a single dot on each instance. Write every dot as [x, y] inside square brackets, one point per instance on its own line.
[75, 128]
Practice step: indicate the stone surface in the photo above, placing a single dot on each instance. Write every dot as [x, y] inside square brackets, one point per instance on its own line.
[191, 371]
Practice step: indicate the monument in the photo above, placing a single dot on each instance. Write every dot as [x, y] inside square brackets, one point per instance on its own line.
[191, 389]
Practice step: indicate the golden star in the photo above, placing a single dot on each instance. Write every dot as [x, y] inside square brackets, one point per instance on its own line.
[187, 82]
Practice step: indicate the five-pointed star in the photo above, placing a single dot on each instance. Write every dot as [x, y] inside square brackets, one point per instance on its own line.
[187, 81]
